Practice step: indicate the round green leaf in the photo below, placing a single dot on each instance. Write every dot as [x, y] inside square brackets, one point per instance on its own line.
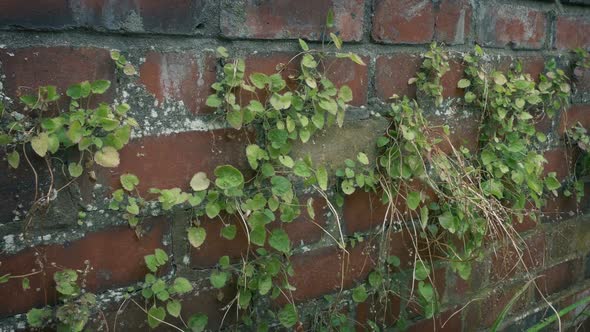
[196, 236]
[200, 182]
[228, 177]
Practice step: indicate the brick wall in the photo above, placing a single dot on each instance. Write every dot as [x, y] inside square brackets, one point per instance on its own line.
[173, 42]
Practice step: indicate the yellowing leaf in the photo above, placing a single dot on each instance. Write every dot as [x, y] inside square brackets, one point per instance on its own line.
[40, 144]
[107, 157]
[200, 182]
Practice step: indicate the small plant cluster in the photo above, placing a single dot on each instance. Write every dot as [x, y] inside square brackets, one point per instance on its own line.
[450, 198]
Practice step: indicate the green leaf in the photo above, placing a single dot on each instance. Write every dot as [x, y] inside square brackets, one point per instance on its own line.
[463, 83]
[182, 285]
[303, 45]
[286, 161]
[421, 271]
[229, 232]
[375, 279]
[447, 221]
[279, 240]
[212, 209]
[107, 157]
[413, 200]
[322, 176]
[244, 298]
[259, 80]
[337, 41]
[329, 23]
[301, 169]
[26, 284]
[196, 236]
[426, 291]
[129, 181]
[213, 101]
[75, 169]
[74, 91]
[281, 186]
[551, 182]
[13, 159]
[40, 144]
[264, 285]
[359, 294]
[288, 316]
[235, 118]
[197, 322]
[155, 316]
[222, 52]
[218, 278]
[499, 78]
[362, 158]
[100, 86]
[228, 177]
[161, 256]
[199, 181]
[173, 307]
[38, 317]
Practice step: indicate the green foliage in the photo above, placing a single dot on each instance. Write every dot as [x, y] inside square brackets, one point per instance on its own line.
[74, 307]
[434, 66]
[95, 132]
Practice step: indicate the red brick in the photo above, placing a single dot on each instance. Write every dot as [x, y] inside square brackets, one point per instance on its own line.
[393, 73]
[321, 271]
[514, 26]
[561, 207]
[292, 19]
[115, 255]
[492, 306]
[448, 321]
[576, 113]
[559, 160]
[395, 21]
[171, 161]
[180, 77]
[559, 277]
[47, 14]
[127, 316]
[173, 16]
[17, 186]
[28, 68]
[582, 81]
[363, 211]
[463, 131]
[572, 32]
[451, 78]
[382, 312]
[339, 71]
[507, 263]
[301, 231]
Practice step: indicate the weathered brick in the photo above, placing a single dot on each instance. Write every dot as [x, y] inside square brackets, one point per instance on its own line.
[173, 16]
[115, 256]
[581, 84]
[49, 14]
[180, 77]
[328, 269]
[392, 75]
[506, 261]
[127, 316]
[395, 21]
[171, 161]
[17, 186]
[291, 19]
[576, 113]
[378, 310]
[533, 65]
[448, 321]
[339, 71]
[559, 277]
[512, 25]
[28, 68]
[302, 230]
[559, 160]
[572, 32]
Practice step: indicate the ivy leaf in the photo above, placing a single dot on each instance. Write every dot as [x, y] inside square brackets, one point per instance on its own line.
[413, 200]
[13, 159]
[281, 186]
[107, 157]
[213, 101]
[229, 232]
[222, 52]
[447, 221]
[129, 181]
[288, 316]
[287, 161]
[40, 144]
[212, 209]
[303, 45]
[322, 176]
[359, 294]
[228, 177]
[551, 182]
[75, 169]
[182, 285]
[244, 298]
[499, 78]
[463, 83]
[200, 182]
[329, 24]
[218, 278]
[426, 291]
[100, 86]
[375, 279]
[422, 271]
[173, 307]
[337, 41]
[155, 316]
[38, 317]
[197, 322]
[362, 158]
[260, 80]
[235, 118]
[264, 285]
[279, 240]
[196, 236]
